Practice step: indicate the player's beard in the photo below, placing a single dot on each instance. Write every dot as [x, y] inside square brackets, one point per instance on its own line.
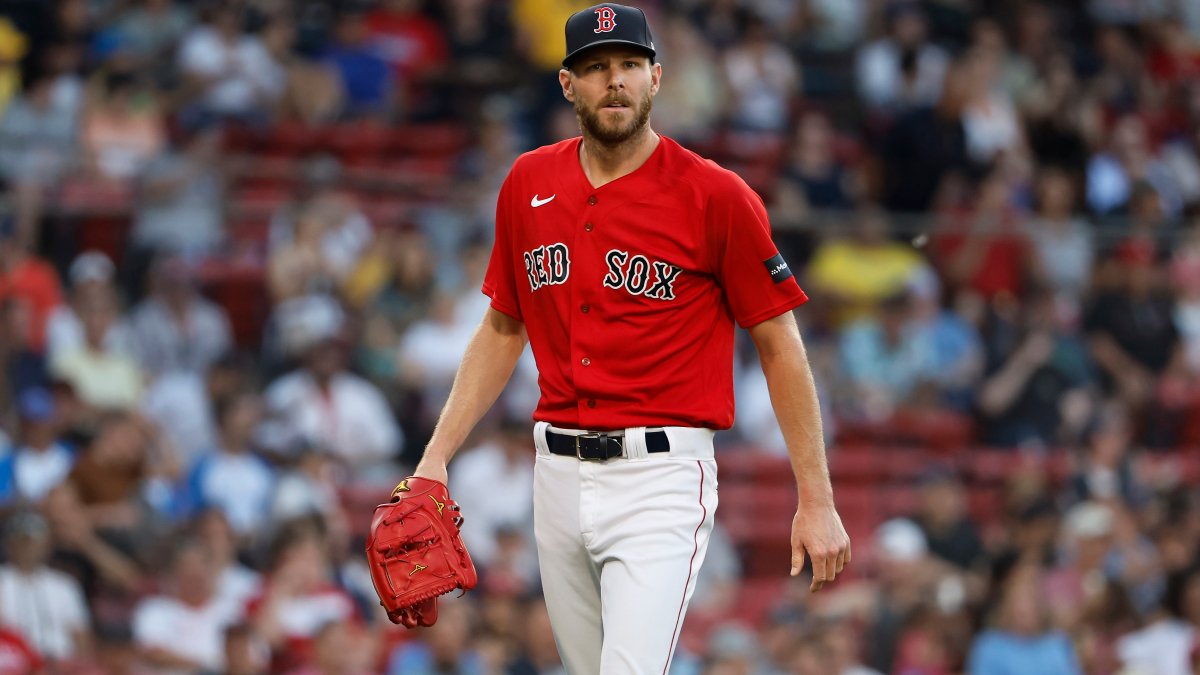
[613, 134]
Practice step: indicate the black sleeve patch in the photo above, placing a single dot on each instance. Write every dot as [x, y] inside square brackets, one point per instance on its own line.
[777, 268]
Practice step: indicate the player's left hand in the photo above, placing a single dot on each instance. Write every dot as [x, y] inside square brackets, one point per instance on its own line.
[817, 530]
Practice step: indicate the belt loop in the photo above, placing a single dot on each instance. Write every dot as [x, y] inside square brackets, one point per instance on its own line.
[635, 443]
[539, 438]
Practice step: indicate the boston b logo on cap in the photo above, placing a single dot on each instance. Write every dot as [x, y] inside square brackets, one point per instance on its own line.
[607, 24]
[606, 17]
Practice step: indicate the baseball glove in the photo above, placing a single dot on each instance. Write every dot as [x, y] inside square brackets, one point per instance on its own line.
[416, 553]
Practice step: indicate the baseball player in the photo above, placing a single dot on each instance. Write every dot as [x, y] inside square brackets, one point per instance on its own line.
[624, 260]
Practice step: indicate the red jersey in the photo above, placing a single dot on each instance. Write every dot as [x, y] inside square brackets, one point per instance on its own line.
[629, 291]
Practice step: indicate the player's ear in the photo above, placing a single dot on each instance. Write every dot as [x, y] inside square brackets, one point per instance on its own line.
[564, 79]
[655, 77]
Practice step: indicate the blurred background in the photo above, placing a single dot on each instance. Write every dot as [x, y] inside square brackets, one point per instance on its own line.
[241, 245]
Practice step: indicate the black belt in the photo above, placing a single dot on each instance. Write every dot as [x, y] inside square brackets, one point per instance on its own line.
[600, 446]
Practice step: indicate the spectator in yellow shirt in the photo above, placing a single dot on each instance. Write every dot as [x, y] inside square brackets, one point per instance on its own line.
[854, 274]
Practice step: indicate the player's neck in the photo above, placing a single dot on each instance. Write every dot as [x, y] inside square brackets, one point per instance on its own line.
[603, 164]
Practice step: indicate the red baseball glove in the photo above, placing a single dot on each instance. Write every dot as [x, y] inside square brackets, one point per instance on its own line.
[416, 553]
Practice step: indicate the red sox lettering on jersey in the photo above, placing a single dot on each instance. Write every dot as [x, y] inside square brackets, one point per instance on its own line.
[629, 292]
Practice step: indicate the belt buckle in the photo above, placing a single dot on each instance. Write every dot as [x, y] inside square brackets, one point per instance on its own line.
[588, 436]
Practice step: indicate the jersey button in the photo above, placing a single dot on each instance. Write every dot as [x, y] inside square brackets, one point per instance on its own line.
[591, 403]
[588, 227]
[586, 361]
[585, 308]
[592, 200]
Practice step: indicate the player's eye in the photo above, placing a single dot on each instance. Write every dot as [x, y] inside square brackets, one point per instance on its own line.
[631, 64]
[594, 66]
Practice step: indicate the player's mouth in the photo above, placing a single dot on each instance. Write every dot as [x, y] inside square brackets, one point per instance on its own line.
[615, 105]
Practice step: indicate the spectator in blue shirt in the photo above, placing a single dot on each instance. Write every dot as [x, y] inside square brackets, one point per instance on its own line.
[232, 478]
[40, 460]
[1021, 641]
[366, 78]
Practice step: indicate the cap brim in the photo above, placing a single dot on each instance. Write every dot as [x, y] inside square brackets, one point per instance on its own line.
[592, 45]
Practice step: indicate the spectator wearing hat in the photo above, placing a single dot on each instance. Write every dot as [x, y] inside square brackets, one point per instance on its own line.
[92, 284]
[176, 328]
[909, 579]
[44, 605]
[41, 461]
[1086, 543]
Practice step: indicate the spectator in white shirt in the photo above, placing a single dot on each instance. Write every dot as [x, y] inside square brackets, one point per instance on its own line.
[92, 281]
[505, 459]
[41, 461]
[321, 403]
[184, 631]
[232, 73]
[45, 606]
[902, 70]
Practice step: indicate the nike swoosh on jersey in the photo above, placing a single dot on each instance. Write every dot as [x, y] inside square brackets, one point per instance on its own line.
[535, 202]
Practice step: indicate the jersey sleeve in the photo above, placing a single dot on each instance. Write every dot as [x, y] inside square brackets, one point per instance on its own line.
[757, 282]
[500, 282]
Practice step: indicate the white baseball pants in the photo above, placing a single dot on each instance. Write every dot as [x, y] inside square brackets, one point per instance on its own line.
[620, 543]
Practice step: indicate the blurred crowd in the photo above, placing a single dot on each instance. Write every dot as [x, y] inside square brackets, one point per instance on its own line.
[241, 246]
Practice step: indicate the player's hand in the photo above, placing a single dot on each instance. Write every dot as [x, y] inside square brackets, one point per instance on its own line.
[818, 532]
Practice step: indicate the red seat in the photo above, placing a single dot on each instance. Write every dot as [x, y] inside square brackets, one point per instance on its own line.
[857, 465]
[985, 504]
[898, 501]
[428, 139]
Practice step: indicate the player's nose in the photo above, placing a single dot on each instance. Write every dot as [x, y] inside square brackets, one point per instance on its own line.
[616, 79]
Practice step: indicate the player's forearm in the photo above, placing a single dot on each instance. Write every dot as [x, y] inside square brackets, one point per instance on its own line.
[486, 368]
[794, 399]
